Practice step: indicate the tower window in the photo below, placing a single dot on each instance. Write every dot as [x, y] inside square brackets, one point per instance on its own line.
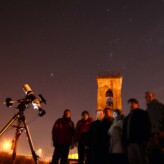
[109, 98]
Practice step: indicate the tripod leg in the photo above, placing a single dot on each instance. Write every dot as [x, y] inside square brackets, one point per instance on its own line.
[35, 156]
[18, 132]
[9, 123]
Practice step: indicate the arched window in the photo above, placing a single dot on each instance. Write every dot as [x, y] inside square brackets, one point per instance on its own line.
[109, 97]
[109, 93]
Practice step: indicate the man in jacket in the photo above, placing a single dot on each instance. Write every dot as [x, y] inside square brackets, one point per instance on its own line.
[155, 111]
[136, 133]
[82, 128]
[62, 136]
[99, 140]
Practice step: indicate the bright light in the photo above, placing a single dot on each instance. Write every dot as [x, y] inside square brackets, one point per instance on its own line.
[7, 145]
[73, 156]
[40, 152]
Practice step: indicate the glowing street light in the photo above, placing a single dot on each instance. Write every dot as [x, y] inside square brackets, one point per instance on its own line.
[40, 152]
[7, 145]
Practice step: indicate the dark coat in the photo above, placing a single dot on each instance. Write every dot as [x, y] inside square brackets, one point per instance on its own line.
[136, 127]
[82, 130]
[63, 131]
[99, 141]
[155, 110]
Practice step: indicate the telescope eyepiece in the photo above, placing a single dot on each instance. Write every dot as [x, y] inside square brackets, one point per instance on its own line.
[8, 102]
[41, 112]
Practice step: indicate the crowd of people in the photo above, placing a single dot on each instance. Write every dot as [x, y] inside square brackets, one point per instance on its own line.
[112, 138]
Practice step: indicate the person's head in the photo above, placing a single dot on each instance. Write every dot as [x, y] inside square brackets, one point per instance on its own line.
[149, 96]
[108, 112]
[100, 114]
[116, 112]
[85, 115]
[134, 104]
[67, 113]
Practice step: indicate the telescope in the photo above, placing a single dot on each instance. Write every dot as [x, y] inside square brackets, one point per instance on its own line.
[30, 98]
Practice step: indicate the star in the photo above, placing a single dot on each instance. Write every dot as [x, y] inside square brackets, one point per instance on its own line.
[111, 55]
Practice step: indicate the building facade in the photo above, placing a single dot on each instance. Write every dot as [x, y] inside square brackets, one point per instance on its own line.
[109, 92]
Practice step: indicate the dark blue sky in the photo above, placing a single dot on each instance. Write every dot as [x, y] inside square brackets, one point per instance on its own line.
[58, 47]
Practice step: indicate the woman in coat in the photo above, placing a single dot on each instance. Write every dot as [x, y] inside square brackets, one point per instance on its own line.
[117, 152]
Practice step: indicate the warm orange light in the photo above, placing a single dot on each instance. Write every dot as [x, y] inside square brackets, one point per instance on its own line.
[39, 152]
[7, 145]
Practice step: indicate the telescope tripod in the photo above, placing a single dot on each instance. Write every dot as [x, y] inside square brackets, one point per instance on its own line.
[20, 127]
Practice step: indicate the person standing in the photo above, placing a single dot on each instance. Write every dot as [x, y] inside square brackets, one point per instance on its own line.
[117, 153]
[98, 142]
[136, 133]
[155, 111]
[108, 118]
[81, 137]
[62, 137]
[107, 122]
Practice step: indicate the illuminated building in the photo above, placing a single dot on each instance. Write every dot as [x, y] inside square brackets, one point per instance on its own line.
[109, 91]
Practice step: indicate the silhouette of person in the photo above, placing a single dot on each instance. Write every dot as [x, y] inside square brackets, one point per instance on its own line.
[117, 153]
[136, 133]
[98, 139]
[155, 111]
[62, 137]
[82, 137]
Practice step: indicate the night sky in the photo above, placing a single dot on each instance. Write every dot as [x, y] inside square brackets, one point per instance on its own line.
[58, 47]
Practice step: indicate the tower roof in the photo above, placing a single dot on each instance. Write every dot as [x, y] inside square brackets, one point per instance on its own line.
[109, 74]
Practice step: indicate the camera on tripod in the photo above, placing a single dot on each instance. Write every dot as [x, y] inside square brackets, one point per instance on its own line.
[30, 98]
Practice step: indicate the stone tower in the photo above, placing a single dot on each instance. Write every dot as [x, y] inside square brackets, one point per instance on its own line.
[109, 91]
